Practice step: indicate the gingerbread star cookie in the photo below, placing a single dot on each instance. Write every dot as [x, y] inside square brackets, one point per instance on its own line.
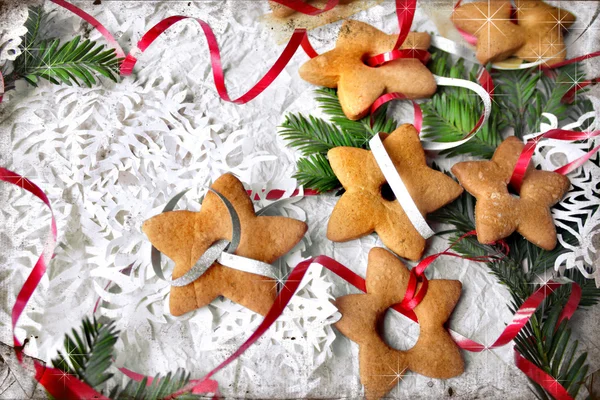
[544, 26]
[368, 205]
[184, 236]
[538, 34]
[434, 355]
[358, 84]
[498, 213]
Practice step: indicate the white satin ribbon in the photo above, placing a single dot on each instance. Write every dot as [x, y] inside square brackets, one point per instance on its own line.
[390, 173]
[220, 251]
[487, 109]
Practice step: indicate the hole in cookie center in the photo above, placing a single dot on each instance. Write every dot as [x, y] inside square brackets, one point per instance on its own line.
[387, 193]
[513, 192]
[365, 59]
[396, 331]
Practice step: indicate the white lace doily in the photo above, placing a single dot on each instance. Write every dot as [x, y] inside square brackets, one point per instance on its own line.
[109, 158]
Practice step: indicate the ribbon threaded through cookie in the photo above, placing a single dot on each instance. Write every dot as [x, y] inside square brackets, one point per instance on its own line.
[221, 251]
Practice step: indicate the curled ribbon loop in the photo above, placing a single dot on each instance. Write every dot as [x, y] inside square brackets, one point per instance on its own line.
[405, 12]
[565, 134]
[484, 90]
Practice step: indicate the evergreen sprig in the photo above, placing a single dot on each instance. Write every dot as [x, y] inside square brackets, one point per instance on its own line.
[452, 112]
[74, 62]
[160, 388]
[542, 341]
[87, 355]
[524, 95]
[314, 137]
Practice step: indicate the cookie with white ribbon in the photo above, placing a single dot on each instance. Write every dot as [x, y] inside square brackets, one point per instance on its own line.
[184, 236]
[434, 355]
[369, 205]
[498, 213]
[358, 84]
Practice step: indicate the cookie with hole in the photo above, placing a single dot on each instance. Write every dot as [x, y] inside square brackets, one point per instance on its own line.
[368, 204]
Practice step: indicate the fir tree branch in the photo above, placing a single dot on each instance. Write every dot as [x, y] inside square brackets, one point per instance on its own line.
[313, 135]
[452, 112]
[541, 341]
[73, 62]
[315, 172]
[88, 354]
[160, 388]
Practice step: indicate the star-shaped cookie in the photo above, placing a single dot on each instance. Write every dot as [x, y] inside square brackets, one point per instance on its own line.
[360, 85]
[544, 26]
[498, 213]
[434, 355]
[538, 34]
[184, 236]
[369, 205]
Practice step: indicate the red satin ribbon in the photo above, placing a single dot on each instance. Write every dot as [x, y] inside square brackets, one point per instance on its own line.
[296, 40]
[533, 372]
[40, 267]
[516, 180]
[277, 194]
[60, 385]
[1, 86]
[304, 8]
[95, 23]
[385, 98]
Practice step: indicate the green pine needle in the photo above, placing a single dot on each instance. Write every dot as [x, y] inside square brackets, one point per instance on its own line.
[314, 135]
[161, 387]
[75, 62]
[70, 63]
[88, 353]
[315, 172]
[452, 112]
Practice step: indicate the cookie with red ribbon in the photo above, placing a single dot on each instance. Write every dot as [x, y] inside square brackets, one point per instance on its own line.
[358, 84]
[498, 213]
[537, 34]
[369, 205]
[184, 236]
[434, 355]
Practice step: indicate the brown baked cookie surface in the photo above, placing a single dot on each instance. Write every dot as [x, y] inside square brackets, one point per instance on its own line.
[184, 236]
[369, 206]
[358, 84]
[538, 33]
[497, 212]
[489, 21]
[544, 26]
[434, 355]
